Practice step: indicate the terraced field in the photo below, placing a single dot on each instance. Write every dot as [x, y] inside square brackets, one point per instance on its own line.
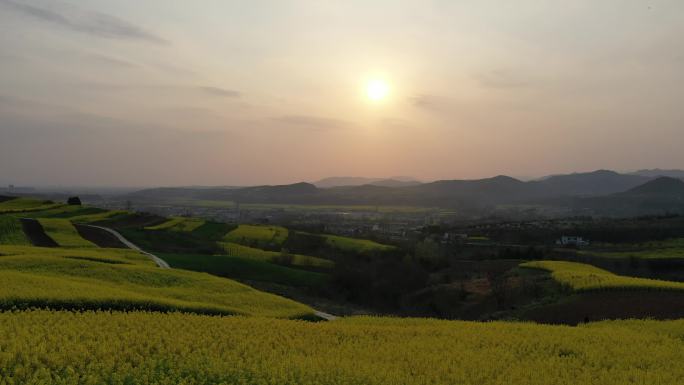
[58, 211]
[246, 268]
[236, 250]
[111, 316]
[258, 236]
[181, 224]
[98, 217]
[583, 277]
[20, 205]
[669, 249]
[91, 278]
[64, 233]
[355, 245]
[155, 348]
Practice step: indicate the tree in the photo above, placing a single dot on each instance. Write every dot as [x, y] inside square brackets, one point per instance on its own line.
[75, 201]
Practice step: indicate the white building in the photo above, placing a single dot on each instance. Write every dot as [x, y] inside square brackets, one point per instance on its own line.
[566, 240]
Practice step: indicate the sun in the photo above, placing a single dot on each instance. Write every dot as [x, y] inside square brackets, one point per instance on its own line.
[377, 90]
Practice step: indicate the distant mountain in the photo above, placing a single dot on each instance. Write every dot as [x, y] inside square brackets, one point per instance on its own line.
[337, 181]
[499, 189]
[599, 191]
[662, 186]
[600, 182]
[395, 183]
[662, 195]
[291, 193]
[656, 172]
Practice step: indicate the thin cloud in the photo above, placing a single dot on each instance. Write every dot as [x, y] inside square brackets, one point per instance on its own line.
[311, 122]
[179, 89]
[91, 23]
[109, 61]
[222, 92]
[429, 102]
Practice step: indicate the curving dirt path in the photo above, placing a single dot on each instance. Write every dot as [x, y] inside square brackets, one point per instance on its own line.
[325, 316]
[160, 262]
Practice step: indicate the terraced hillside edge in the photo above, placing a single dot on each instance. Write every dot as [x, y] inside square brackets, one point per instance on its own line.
[93, 278]
[583, 277]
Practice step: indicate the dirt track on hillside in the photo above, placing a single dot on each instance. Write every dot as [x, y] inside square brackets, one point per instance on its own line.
[99, 237]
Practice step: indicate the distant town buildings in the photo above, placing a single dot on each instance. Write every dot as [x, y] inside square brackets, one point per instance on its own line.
[572, 240]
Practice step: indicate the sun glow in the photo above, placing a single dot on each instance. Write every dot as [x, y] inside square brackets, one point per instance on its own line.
[377, 90]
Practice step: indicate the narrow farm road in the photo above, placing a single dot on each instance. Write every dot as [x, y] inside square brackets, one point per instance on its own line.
[160, 262]
[325, 316]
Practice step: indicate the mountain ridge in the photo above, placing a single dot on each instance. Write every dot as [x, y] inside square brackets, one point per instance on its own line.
[496, 190]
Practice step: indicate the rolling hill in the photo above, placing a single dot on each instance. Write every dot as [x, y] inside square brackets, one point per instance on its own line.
[79, 271]
[656, 172]
[663, 195]
[444, 193]
[600, 182]
[81, 313]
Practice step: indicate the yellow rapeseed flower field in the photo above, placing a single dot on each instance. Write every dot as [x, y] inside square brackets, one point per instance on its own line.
[89, 218]
[181, 224]
[237, 250]
[64, 233]
[49, 347]
[257, 235]
[583, 277]
[354, 244]
[93, 278]
[19, 205]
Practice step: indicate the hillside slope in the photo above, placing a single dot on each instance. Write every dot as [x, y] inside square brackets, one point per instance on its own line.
[662, 195]
[125, 280]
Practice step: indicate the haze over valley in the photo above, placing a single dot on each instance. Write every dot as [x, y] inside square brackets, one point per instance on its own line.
[341, 192]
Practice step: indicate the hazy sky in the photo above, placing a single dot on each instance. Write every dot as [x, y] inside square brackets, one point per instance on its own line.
[216, 92]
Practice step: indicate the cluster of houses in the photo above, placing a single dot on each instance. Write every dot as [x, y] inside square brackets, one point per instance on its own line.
[572, 240]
